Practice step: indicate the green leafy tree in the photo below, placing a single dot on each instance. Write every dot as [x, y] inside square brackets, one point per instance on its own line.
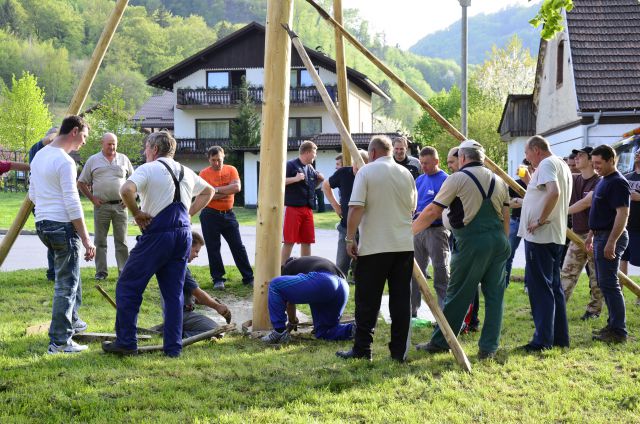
[24, 117]
[111, 116]
[245, 129]
[550, 16]
[12, 16]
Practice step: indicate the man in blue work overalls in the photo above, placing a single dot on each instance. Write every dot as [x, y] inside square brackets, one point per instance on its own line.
[166, 189]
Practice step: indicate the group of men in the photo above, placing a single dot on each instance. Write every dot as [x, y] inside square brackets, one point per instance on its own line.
[169, 194]
[391, 211]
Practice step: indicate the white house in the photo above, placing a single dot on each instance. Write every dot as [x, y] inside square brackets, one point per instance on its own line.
[587, 88]
[205, 87]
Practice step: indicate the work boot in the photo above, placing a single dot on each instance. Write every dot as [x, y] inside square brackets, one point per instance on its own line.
[112, 347]
[589, 315]
[610, 336]
[431, 348]
[351, 354]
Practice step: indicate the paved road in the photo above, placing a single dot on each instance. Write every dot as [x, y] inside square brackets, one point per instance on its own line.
[29, 253]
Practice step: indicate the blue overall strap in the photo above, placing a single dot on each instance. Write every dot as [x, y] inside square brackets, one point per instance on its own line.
[176, 181]
[475, 180]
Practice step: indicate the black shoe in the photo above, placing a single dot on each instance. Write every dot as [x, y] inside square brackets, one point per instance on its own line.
[101, 276]
[399, 359]
[248, 283]
[600, 331]
[530, 348]
[350, 354]
[473, 328]
[431, 348]
[589, 315]
[610, 337]
[483, 356]
[112, 347]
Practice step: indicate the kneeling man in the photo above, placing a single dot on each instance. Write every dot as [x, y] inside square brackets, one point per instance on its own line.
[318, 282]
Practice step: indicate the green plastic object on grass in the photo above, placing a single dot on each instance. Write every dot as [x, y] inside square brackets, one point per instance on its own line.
[420, 323]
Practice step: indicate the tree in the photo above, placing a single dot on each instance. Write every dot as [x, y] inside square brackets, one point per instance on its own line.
[24, 117]
[550, 16]
[111, 116]
[245, 130]
[507, 71]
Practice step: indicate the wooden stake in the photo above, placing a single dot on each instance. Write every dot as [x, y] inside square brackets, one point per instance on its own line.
[343, 90]
[106, 296]
[449, 335]
[273, 155]
[447, 125]
[191, 340]
[75, 106]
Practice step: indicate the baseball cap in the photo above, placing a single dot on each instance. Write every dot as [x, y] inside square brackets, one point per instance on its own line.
[471, 144]
[586, 149]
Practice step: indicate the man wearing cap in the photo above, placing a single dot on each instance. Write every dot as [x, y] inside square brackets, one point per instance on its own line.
[583, 185]
[608, 239]
[478, 216]
[632, 253]
[543, 225]
[452, 160]
[100, 181]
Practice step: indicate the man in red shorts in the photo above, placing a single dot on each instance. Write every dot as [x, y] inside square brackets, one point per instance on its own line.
[301, 180]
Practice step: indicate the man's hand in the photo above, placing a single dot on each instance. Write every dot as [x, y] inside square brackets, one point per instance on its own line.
[338, 210]
[300, 176]
[588, 243]
[97, 202]
[292, 325]
[89, 249]
[143, 219]
[224, 311]
[534, 225]
[635, 196]
[352, 250]
[610, 250]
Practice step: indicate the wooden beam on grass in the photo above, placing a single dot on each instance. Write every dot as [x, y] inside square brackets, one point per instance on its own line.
[191, 340]
[343, 87]
[449, 335]
[273, 155]
[74, 108]
[447, 125]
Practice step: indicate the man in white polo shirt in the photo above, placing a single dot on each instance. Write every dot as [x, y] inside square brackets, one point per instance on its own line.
[381, 207]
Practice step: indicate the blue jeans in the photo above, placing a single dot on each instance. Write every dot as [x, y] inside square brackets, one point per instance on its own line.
[216, 224]
[542, 276]
[607, 276]
[514, 242]
[61, 238]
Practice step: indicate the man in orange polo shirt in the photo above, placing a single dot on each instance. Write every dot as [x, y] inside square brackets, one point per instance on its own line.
[218, 219]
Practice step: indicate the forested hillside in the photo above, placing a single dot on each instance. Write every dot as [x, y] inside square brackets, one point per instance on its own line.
[54, 39]
[484, 32]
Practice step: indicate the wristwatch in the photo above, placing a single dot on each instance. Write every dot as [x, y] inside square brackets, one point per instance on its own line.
[348, 240]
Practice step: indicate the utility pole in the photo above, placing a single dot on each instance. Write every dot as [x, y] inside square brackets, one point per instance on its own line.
[464, 65]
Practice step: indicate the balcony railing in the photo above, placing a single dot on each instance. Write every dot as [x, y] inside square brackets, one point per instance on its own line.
[232, 96]
[201, 145]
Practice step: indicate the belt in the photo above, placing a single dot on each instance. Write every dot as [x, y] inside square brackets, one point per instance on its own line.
[435, 225]
[599, 232]
[219, 211]
[113, 202]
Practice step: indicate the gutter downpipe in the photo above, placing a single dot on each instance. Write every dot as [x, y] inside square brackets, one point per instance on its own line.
[596, 119]
[586, 128]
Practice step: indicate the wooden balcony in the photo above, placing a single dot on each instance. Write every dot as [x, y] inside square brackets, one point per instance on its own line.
[222, 98]
[198, 146]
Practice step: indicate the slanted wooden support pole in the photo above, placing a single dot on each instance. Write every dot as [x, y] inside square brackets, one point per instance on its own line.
[273, 154]
[447, 125]
[343, 88]
[450, 336]
[74, 108]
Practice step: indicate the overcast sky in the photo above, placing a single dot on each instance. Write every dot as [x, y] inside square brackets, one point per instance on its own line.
[407, 21]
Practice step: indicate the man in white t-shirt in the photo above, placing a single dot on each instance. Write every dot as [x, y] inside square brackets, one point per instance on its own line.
[60, 226]
[382, 202]
[166, 189]
[543, 226]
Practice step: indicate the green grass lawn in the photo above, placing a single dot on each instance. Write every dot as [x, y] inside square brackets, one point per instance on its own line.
[10, 204]
[237, 379]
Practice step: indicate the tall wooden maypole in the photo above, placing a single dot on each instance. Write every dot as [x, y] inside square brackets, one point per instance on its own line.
[341, 71]
[74, 108]
[273, 151]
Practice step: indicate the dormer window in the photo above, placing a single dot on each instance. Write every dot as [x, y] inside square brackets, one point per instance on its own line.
[560, 64]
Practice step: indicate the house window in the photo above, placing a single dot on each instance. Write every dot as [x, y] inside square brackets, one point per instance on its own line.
[301, 78]
[217, 79]
[304, 127]
[212, 128]
[560, 64]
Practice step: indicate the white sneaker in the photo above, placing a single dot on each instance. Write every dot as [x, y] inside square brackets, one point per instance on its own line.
[70, 347]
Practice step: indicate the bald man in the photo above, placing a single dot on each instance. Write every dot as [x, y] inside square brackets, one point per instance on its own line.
[100, 181]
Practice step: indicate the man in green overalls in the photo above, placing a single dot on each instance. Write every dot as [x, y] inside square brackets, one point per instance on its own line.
[478, 216]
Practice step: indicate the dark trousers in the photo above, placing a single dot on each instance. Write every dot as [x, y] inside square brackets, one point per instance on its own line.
[542, 277]
[216, 224]
[370, 275]
[607, 276]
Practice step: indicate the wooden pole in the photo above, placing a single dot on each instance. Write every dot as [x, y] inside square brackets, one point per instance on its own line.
[447, 125]
[273, 154]
[449, 335]
[343, 90]
[75, 106]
